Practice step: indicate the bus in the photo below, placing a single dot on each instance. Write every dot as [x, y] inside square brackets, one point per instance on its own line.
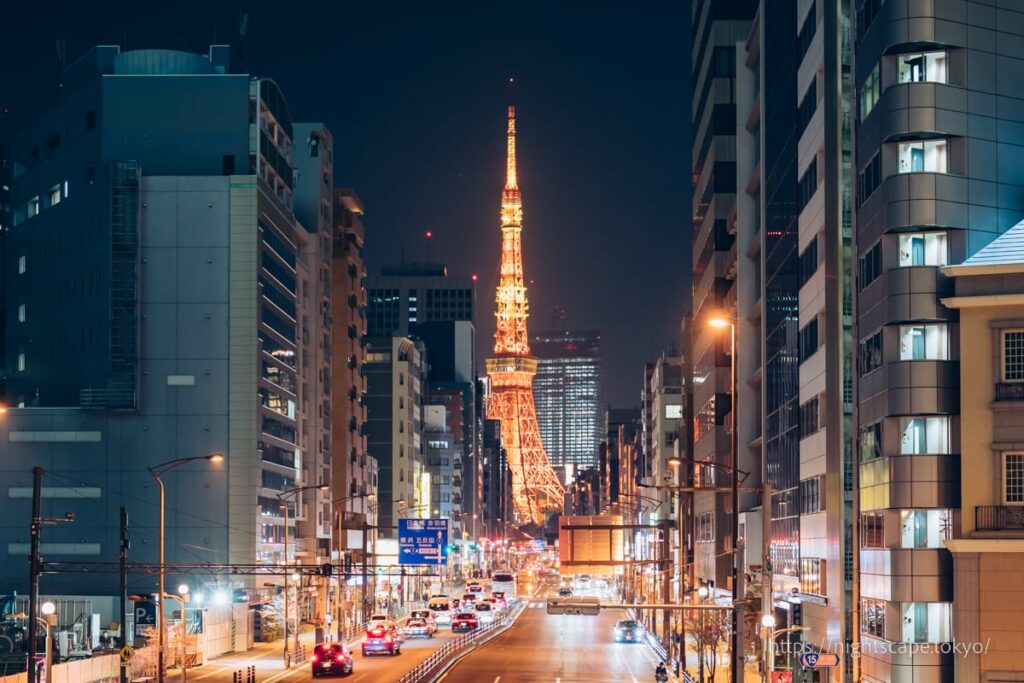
[504, 582]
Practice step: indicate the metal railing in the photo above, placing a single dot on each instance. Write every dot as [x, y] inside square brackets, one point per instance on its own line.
[999, 518]
[431, 665]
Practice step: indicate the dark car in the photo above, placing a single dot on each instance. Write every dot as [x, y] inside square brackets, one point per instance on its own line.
[628, 631]
[381, 639]
[331, 658]
[465, 621]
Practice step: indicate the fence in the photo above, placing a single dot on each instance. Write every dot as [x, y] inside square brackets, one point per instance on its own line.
[103, 669]
[432, 665]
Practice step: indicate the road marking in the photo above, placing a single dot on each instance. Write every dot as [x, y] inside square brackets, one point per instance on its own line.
[497, 678]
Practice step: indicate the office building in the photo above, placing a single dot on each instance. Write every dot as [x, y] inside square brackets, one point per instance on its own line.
[496, 510]
[661, 424]
[394, 417]
[932, 189]
[156, 275]
[567, 393]
[416, 293]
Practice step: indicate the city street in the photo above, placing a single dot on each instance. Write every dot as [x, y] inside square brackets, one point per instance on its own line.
[556, 649]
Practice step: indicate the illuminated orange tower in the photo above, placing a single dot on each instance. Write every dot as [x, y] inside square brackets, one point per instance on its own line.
[535, 487]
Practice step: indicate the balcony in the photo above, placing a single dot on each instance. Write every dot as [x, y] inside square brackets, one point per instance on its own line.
[999, 518]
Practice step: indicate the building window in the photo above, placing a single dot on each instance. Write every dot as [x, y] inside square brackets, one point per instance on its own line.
[1013, 355]
[1013, 478]
[810, 495]
[807, 31]
[809, 418]
[872, 529]
[21, 313]
[704, 531]
[808, 340]
[921, 67]
[870, 92]
[34, 205]
[927, 622]
[871, 442]
[871, 265]
[923, 249]
[869, 179]
[54, 195]
[866, 13]
[924, 342]
[923, 156]
[925, 528]
[808, 105]
[22, 263]
[871, 353]
[724, 62]
[873, 617]
[809, 261]
[924, 435]
[808, 184]
[812, 576]
[21, 362]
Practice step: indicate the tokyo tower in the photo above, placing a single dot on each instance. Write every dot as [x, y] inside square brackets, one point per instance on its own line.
[535, 487]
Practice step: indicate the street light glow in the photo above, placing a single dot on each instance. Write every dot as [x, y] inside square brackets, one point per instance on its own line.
[183, 589]
[220, 598]
[768, 621]
[215, 457]
[719, 323]
[48, 608]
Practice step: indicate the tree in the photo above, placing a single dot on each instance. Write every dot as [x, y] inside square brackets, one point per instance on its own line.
[708, 630]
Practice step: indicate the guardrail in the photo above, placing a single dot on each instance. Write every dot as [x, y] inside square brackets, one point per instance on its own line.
[461, 645]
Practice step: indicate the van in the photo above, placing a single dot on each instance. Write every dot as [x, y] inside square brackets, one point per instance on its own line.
[441, 611]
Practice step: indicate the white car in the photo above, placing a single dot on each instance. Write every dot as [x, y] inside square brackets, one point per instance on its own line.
[485, 612]
[441, 611]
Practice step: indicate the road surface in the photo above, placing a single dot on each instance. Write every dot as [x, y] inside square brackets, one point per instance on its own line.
[556, 649]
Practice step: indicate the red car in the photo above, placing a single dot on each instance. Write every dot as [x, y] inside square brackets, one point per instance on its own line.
[465, 621]
[331, 658]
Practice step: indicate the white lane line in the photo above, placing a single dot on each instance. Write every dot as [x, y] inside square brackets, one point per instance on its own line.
[497, 678]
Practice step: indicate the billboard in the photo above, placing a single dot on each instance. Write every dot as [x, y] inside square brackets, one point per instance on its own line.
[422, 541]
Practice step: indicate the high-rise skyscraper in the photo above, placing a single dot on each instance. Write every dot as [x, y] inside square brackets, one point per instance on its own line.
[567, 393]
[535, 488]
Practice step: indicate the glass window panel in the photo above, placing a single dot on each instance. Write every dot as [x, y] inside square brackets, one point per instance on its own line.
[923, 156]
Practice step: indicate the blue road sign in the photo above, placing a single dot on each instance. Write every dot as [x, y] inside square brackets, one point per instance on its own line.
[819, 660]
[422, 541]
[145, 613]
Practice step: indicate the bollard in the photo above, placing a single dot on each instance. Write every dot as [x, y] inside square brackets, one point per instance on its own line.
[252, 675]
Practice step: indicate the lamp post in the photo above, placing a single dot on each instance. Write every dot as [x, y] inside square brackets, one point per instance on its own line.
[283, 497]
[767, 623]
[158, 471]
[182, 599]
[702, 593]
[49, 619]
[722, 323]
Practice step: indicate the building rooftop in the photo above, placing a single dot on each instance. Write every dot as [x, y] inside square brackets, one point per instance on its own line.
[1003, 254]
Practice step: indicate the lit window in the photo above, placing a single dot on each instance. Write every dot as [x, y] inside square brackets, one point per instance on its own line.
[923, 249]
[21, 362]
[921, 67]
[22, 262]
[812, 576]
[928, 156]
[1013, 478]
[55, 196]
[925, 528]
[924, 342]
[873, 618]
[927, 622]
[924, 435]
[21, 313]
[34, 205]
[872, 529]
[1013, 356]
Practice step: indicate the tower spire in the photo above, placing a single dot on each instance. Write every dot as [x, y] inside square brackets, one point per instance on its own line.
[511, 178]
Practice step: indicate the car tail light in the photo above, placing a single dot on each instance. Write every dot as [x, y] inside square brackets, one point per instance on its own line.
[387, 638]
[365, 637]
[314, 659]
[340, 658]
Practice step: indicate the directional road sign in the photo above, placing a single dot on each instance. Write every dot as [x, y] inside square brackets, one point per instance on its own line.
[422, 541]
[819, 660]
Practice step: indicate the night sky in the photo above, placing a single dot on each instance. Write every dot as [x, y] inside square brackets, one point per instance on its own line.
[415, 96]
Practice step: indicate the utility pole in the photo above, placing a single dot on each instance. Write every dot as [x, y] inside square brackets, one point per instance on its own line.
[366, 579]
[125, 545]
[34, 570]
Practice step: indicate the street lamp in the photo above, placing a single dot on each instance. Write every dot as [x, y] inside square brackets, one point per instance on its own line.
[158, 471]
[283, 497]
[182, 600]
[720, 323]
[767, 624]
[48, 609]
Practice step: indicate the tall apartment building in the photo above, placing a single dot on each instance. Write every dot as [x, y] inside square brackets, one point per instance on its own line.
[936, 123]
[567, 393]
[354, 470]
[660, 428]
[158, 286]
[720, 30]
[497, 481]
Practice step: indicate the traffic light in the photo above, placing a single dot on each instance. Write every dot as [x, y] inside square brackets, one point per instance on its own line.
[326, 569]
